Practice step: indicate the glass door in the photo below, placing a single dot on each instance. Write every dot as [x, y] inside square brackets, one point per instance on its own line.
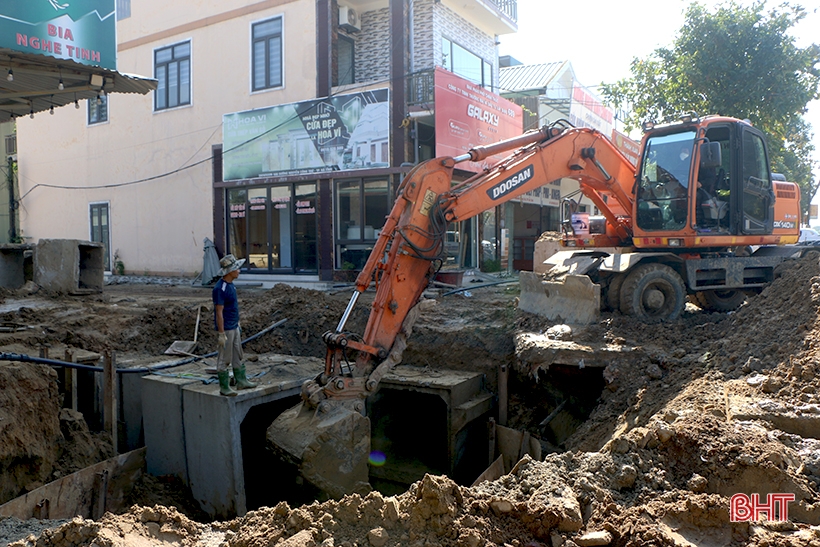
[305, 248]
[274, 228]
[281, 239]
[258, 246]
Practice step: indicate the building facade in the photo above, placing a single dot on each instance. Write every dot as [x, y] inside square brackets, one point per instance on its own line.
[550, 93]
[279, 129]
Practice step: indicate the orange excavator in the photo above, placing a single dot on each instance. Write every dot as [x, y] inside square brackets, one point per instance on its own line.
[682, 223]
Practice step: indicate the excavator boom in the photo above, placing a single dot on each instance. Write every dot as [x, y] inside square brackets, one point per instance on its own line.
[659, 211]
[327, 434]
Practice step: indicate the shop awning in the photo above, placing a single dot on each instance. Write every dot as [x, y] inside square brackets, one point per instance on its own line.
[37, 83]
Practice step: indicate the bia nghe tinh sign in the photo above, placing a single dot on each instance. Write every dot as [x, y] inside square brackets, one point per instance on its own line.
[337, 133]
[81, 30]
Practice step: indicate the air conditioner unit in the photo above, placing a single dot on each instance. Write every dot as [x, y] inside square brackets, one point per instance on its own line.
[348, 18]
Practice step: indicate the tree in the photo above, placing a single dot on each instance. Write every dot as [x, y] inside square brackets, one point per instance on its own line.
[735, 61]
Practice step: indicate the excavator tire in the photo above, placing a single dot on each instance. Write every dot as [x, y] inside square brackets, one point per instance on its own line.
[653, 293]
[727, 300]
[613, 292]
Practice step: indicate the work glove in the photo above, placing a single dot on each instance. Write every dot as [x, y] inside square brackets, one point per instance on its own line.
[221, 340]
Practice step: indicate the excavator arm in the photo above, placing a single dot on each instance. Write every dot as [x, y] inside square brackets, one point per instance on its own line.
[326, 435]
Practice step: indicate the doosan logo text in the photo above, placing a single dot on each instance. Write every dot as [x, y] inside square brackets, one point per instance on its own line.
[511, 182]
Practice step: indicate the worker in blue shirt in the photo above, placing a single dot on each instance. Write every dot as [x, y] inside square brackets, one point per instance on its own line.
[226, 322]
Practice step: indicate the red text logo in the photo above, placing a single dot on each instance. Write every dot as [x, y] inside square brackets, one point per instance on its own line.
[744, 508]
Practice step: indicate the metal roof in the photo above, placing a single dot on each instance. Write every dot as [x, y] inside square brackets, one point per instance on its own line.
[34, 84]
[527, 77]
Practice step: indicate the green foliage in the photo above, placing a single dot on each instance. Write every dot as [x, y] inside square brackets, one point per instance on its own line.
[119, 265]
[491, 266]
[734, 61]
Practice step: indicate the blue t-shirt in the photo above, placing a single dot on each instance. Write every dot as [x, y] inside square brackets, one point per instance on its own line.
[224, 294]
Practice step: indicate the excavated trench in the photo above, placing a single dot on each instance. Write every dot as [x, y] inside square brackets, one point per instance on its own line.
[462, 398]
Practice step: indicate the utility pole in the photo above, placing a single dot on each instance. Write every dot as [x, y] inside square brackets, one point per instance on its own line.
[12, 203]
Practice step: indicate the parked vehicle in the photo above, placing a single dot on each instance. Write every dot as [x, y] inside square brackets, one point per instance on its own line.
[809, 236]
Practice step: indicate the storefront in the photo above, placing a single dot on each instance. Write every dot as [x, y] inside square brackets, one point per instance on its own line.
[275, 165]
[274, 227]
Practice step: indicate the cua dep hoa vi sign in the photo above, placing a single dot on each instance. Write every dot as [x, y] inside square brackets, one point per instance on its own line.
[83, 31]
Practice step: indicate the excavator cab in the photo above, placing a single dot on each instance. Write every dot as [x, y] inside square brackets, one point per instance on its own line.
[702, 179]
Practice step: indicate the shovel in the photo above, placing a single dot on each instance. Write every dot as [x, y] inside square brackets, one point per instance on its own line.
[185, 347]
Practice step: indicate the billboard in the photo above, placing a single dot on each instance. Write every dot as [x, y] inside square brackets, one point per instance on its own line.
[335, 133]
[468, 115]
[83, 31]
[586, 110]
[628, 147]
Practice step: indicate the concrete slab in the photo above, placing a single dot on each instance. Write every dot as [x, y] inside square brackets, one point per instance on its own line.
[575, 300]
[802, 420]
[535, 351]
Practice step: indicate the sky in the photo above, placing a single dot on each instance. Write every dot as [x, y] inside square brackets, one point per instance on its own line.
[601, 37]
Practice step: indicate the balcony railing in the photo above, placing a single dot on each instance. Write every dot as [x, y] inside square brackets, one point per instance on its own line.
[421, 88]
[508, 8]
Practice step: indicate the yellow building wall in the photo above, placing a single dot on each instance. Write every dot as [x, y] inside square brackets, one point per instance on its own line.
[157, 226]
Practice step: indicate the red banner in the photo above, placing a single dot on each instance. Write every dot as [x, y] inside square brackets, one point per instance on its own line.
[467, 115]
[628, 147]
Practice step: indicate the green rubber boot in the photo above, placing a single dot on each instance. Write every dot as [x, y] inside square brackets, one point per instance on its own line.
[225, 384]
[242, 381]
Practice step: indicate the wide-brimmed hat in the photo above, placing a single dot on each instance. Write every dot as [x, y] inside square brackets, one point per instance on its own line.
[229, 264]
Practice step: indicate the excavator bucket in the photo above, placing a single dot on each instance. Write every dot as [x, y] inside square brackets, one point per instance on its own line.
[567, 294]
[330, 445]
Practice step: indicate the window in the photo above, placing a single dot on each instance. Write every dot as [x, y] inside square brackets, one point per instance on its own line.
[99, 229]
[345, 73]
[123, 9]
[98, 110]
[362, 207]
[267, 54]
[172, 69]
[459, 61]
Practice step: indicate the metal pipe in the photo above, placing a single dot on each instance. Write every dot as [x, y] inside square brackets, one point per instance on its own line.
[56, 363]
[348, 311]
[503, 375]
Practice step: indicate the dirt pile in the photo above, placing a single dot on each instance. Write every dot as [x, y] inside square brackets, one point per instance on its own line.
[40, 441]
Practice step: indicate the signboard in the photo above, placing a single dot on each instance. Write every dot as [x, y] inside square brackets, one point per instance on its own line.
[545, 196]
[330, 134]
[81, 30]
[468, 115]
[586, 110]
[627, 147]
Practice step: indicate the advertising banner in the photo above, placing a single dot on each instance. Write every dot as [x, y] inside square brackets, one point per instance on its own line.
[628, 147]
[586, 110]
[468, 115]
[81, 30]
[336, 133]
